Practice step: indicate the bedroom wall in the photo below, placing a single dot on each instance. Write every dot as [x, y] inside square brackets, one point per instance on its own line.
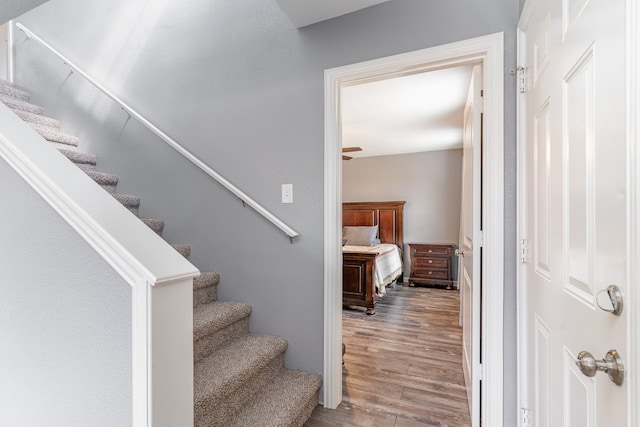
[429, 182]
[243, 89]
[65, 320]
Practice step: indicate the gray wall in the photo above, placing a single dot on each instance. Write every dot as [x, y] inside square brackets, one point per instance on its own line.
[240, 87]
[12, 8]
[3, 52]
[65, 320]
[429, 182]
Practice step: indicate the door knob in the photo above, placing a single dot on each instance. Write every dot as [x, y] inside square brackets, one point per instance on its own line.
[458, 252]
[612, 364]
[612, 301]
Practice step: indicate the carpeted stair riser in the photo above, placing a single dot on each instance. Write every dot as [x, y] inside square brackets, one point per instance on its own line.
[230, 378]
[209, 344]
[300, 388]
[230, 405]
[16, 104]
[130, 202]
[184, 250]
[54, 135]
[82, 160]
[106, 180]
[216, 325]
[205, 288]
[156, 225]
[240, 379]
[12, 92]
[86, 167]
[305, 411]
[37, 119]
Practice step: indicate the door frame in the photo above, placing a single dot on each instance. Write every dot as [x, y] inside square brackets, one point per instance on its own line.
[488, 51]
[632, 299]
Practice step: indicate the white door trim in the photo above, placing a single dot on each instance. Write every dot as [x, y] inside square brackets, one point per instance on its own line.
[523, 359]
[489, 51]
[633, 208]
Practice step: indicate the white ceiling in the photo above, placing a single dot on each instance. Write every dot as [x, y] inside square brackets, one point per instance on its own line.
[307, 12]
[408, 114]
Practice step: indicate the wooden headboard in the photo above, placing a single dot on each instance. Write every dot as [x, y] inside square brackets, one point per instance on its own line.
[386, 215]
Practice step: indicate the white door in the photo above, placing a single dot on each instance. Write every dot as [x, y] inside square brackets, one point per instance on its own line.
[469, 246]
[576, 213]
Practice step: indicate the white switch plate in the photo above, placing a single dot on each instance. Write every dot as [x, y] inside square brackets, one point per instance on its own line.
[287, 193]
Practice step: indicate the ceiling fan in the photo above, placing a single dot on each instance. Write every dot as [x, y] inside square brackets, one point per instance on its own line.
[349, 150]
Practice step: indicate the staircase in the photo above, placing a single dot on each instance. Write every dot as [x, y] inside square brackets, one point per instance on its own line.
[239, 376]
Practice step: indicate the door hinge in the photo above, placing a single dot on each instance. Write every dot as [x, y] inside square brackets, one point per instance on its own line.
[480, 238]
[525, 417]
[479, 372]
[524, 251]
[521, 72]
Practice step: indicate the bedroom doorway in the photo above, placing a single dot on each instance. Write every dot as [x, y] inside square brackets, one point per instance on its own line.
[487, 52]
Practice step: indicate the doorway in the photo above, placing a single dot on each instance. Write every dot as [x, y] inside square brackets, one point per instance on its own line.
[488, 51]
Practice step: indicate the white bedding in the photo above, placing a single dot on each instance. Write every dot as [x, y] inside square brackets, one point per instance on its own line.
[388, 265]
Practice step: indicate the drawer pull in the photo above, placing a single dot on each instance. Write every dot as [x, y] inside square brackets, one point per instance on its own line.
[430, 261]
[430, 250]
[430, 273]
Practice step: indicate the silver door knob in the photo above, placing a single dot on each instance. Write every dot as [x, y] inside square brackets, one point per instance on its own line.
[458, 252]
[612, 364]
[610, 300]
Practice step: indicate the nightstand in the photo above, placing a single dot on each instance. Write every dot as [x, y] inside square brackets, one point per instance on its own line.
[432, 264]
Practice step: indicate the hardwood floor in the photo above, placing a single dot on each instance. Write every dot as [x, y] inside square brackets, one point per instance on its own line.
[403, 366]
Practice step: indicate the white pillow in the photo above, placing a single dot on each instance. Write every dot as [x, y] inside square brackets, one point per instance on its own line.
[360, 236]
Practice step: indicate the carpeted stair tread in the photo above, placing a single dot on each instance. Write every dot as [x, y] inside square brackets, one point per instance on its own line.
[156, 225]
[130, 202]
[215, 316]
[205, 280]
[184, 250]
[37, 118]
[54, 135]
[20, 105]
[205, 288]
[108, 181]
[286, 401]
[12, 92]
[78, 157]
[227, 369]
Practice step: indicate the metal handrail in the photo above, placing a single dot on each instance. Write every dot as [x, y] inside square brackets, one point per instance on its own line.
[246, 200]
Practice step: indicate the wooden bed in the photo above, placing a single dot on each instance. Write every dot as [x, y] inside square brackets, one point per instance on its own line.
[358, 268]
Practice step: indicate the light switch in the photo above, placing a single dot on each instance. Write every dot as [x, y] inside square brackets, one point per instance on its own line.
[287, 193]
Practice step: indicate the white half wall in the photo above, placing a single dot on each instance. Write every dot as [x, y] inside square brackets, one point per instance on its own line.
[65, 320]
[429, 182]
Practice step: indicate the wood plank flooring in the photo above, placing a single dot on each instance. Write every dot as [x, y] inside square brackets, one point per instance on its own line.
[403, 366]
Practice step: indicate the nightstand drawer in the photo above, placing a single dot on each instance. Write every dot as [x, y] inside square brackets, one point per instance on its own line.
[431, 250]
[431, 274]
[433, 262]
